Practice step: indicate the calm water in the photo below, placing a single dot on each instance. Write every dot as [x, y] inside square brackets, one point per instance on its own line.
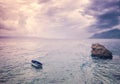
[64, 62]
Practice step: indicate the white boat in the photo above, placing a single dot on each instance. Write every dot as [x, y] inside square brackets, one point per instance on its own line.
[36, 64]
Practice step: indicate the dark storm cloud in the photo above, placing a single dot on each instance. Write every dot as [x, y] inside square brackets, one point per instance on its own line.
[107, 13]
[110, 19]
[99, 5]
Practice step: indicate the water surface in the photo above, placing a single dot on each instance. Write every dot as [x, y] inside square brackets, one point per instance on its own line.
[64, 62]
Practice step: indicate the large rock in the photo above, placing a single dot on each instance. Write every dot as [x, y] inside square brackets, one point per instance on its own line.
[100, 51]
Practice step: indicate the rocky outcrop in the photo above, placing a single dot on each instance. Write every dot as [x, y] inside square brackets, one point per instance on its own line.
[100, 51]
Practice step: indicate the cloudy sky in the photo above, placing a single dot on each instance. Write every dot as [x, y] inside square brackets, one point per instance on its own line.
[58, 18]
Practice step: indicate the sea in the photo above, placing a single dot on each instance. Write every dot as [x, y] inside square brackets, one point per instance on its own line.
[65, 61]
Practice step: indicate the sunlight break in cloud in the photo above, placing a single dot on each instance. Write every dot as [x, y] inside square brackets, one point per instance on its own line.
[45, 18]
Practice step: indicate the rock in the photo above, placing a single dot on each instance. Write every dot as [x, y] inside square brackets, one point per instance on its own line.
[100, 51]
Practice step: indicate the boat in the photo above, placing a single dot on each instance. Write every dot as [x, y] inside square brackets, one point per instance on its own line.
[36, 64]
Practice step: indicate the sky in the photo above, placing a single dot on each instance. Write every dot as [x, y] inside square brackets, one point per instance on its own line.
[58, 18]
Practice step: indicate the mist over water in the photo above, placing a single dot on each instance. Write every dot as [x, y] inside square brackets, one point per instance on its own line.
[64, 62]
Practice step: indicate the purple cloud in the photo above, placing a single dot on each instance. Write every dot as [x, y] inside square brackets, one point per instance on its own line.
[107, 13]
[4, 27]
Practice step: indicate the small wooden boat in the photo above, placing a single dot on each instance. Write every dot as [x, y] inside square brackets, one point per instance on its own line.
[36, 64]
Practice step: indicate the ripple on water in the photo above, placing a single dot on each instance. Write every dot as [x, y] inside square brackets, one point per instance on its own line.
[64, 62]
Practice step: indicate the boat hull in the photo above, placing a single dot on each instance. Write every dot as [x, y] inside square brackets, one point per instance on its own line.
[36, 64]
